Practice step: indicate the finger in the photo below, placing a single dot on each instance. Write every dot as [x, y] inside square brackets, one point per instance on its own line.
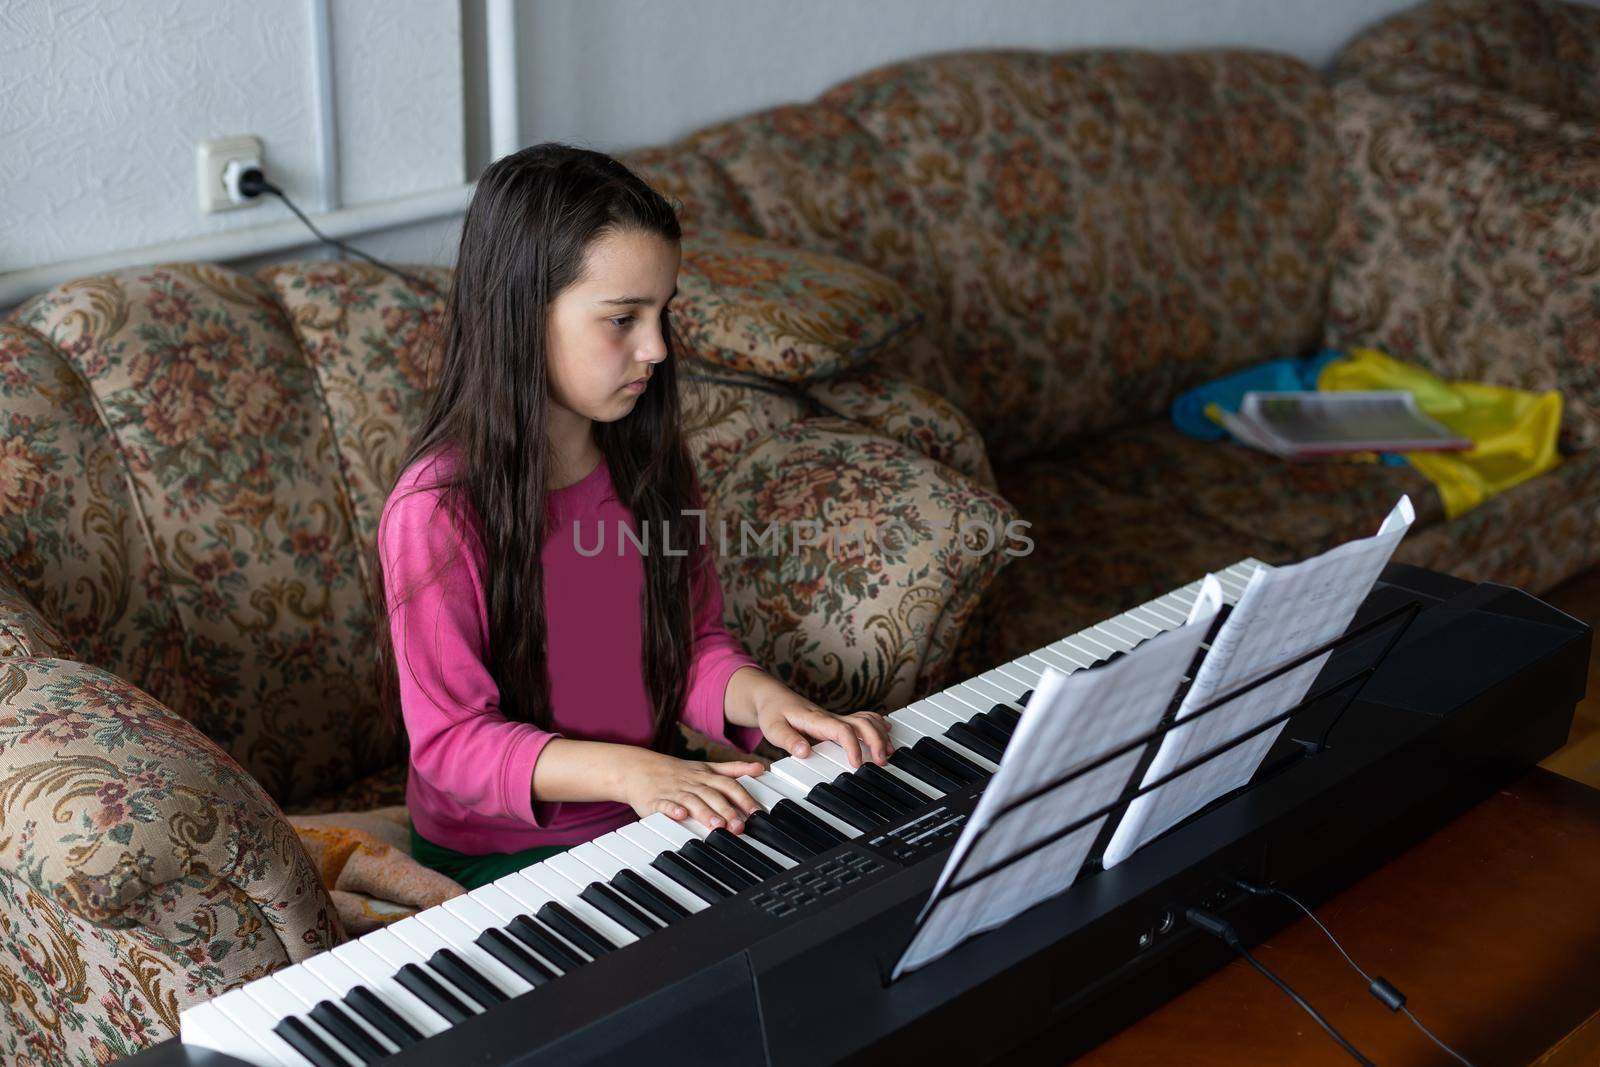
[839, 731]
[672, 810]
[873, 737]
[786, 737]
[734, 768]
[699, 810]
[724, 811]
[741, 799]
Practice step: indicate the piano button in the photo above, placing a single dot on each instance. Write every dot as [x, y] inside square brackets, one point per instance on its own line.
[785, 815]
[467, 978]
[308, 1043]
[332, 1018]
[511, 955]
[966, 735]
[732, 848]
[646, 895]
[364, 1002]
[460, 935]
[561, 919]
[913, 764]
[428, 989]
[935, 751]
[868, 799]
[377, 975]
[690, 878]
[545, 943]
[246, 1022]
[841, 807]
[619, 910]
[638, 861]
[282, 1004]
[566, 893]
[729, 874]
[762, 827]
[885, 781]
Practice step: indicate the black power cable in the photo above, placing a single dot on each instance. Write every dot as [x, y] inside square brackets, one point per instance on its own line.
[1223, 931]
[1381, 988]
[253, 183]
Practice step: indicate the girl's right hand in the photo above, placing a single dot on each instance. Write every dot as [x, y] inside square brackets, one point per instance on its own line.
[680, 789]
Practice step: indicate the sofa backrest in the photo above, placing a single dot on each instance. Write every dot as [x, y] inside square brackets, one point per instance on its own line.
[1089, 232]
[199, 488]
[1542, 51]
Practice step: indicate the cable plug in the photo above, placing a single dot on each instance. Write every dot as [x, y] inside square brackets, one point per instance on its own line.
[243, 180]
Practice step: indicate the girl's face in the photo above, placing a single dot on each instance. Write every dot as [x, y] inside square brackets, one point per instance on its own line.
[606, 328]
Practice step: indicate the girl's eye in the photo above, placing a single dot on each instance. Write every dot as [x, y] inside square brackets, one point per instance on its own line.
[621, 321]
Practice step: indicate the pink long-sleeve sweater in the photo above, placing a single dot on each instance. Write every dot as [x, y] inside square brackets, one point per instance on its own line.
[469, 787]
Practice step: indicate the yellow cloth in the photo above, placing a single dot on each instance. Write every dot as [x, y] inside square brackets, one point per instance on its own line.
[1513, 430]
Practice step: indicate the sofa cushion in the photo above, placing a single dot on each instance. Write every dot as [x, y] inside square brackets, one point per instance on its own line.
[757, 306]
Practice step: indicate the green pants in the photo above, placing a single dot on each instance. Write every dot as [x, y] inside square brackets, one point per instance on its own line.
[473, 871]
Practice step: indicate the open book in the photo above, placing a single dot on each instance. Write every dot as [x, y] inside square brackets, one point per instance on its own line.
[1302, 425]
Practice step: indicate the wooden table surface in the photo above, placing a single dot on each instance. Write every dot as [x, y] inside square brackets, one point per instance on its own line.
[1490, 927]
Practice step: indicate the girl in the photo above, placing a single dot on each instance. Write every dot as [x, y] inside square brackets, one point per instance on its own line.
[540, 681]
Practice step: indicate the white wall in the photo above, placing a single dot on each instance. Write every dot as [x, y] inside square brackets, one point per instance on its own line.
[101, 106]
[621, 74]
[101, 103]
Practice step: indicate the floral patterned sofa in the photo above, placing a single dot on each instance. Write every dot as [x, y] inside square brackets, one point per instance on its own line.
[192, 459]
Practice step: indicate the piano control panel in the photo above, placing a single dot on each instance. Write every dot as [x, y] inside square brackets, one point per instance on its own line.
[832, 876]
[932, 832]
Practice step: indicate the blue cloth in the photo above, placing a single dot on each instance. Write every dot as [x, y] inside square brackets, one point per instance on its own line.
[1275, 375]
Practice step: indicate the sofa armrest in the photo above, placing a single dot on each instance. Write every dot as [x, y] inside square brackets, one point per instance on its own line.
[911, 414]
[851, 563]
[126, 816]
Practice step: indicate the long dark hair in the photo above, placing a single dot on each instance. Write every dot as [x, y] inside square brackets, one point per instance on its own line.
[532, 218]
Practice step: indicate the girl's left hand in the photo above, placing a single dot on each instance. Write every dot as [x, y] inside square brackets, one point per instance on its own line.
[787, 720]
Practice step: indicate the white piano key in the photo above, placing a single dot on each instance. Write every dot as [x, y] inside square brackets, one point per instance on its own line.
[1232, 584]
[935, 730]
[567, 894]
[252, 1019]
[835, 755]
[398, 952]
[461, 937]
[1122, 630]
[1079, 657]
[1157, 616]
[1090, 642]
[309, 991]
[532, 898]
[941, 710]
[489, 897]
[796, 792]
[638, 860]
[1026, 669]
[1139, 625]
[279, 1003]
[582, 874]
[800, 773]
[1057, 660]
[204, 1025]
[377, 974]
[999, 682]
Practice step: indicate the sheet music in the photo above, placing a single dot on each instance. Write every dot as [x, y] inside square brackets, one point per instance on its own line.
[1069, 721]
[1284, 612]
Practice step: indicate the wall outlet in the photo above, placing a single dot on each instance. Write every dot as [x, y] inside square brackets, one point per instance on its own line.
[212, 158]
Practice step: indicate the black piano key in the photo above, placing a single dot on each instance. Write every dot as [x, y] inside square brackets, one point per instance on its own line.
[962, 734]
[383, 1018]
[618, 909]
[1007, 716]
[430, 992]
[332, 1018]
[842, 807]
[886, 783]
[574, 929]
[981, 723]
[644, 893]
[764, 828]
[730, 874]
[690, 877]
[792, 816]
[1023, 699]
[949, 760]
[508, 951]
[867, 798]
[542, 939]
[467, 978]
[306, 1042]
[740, 852]
[923, 771]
